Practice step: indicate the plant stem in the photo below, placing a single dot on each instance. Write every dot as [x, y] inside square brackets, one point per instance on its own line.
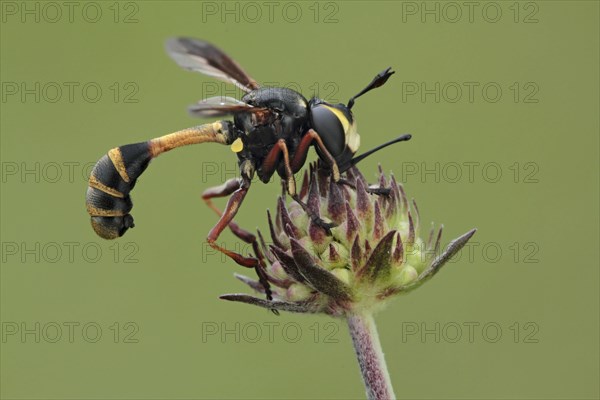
[370, 357]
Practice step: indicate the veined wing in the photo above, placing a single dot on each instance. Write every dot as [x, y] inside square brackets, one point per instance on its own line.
[203, 57]
[219, 106]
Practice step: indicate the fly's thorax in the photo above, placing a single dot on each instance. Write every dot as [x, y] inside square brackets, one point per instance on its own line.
[285, 118]
[287, 110]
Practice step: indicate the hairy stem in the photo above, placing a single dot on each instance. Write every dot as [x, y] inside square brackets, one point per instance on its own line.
[370, 357]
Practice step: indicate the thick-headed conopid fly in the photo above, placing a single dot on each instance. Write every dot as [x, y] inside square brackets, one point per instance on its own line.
[272, 131]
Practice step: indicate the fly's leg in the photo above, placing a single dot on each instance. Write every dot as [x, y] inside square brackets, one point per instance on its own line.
[271, 162]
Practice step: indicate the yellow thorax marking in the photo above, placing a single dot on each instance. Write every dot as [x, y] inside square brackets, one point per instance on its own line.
[237, 145]
[340, 115]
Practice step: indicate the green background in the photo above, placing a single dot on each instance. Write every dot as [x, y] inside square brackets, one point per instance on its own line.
[541, 214]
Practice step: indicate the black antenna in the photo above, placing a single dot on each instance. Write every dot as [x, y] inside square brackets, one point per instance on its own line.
[402, 138]
[378, 81]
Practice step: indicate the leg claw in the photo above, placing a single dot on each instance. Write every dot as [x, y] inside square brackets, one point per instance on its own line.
[379, 191]
[322, 224]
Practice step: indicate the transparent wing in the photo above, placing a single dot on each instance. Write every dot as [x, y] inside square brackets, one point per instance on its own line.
[203, 57]
[219, 106]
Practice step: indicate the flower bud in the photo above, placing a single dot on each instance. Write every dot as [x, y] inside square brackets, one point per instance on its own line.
[372, 252]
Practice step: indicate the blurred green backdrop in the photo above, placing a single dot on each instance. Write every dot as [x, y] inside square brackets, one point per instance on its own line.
[502, 100]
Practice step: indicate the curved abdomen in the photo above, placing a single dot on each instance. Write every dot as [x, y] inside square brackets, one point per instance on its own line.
[111, 180]
[115, 174]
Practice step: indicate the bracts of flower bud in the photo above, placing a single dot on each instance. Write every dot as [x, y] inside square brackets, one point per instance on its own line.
[373, 252]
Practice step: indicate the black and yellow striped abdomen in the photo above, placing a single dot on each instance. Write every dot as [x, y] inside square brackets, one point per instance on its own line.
[111, 181]
[115, 174]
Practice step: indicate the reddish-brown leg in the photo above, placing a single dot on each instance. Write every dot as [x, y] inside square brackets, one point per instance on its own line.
[223, 190]
[229, 187]
[302, 150]
[233, 205]
[270, 164]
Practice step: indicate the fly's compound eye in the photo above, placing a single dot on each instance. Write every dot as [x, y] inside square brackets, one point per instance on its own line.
[335, 126]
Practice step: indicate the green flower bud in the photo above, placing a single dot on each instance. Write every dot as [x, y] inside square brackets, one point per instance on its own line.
[343, 275]
[372, 252]
[297, 292]
[407, 275]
